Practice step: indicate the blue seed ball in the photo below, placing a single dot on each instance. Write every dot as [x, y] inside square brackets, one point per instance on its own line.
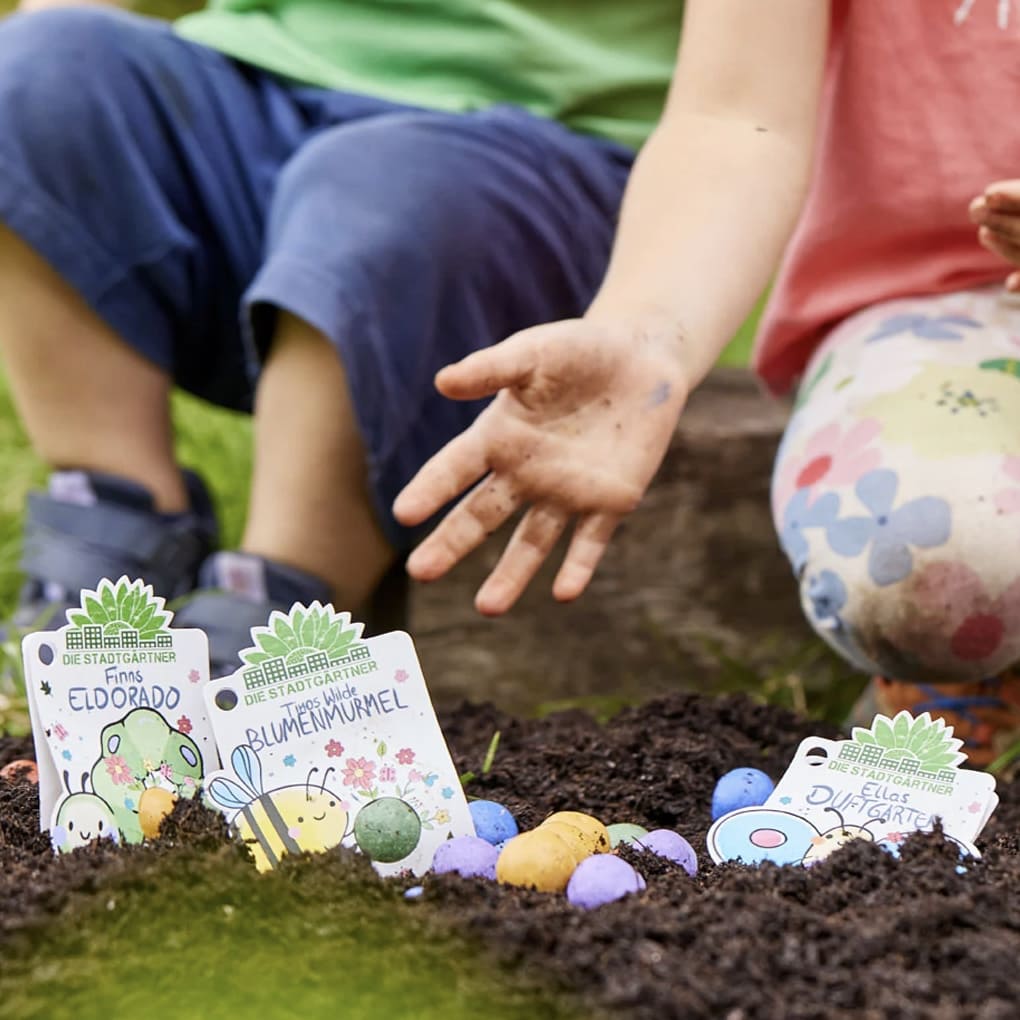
[493, 822]
[739, 789]
[602, 879]
[672, 846]
[468, 856]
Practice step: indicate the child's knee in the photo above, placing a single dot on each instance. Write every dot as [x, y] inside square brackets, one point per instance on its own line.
[56, 67]
[954, 616]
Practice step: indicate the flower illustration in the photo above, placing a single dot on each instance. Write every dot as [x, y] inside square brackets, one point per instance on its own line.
[189, 781]
[359, 772]
[184, 724]
[962, 619]
[414, 776]
[405, 756]
[430, 779]
[890, 530]
[290, 761]
[387, 774]
[800, 515]
[952, 411]
[334, 749]
[833, 455]
[400, 676]
[194, 676]
[827, 594]
[148, 765]
[925, 327]
[447, 792]
[442, 816]
[166, 770]
[117, 769]
[1008, 500]
[66, 755]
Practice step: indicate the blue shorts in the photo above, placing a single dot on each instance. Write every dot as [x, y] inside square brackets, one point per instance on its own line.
[187, 196]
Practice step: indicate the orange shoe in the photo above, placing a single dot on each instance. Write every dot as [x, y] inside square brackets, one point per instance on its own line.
[984, 714]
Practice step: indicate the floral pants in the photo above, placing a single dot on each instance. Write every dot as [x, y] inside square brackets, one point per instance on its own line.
[896, 490]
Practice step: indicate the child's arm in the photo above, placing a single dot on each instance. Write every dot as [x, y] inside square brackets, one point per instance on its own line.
[585, 409]
[997, 214]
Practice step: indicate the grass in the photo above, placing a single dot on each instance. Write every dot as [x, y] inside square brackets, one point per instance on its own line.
[204, 936]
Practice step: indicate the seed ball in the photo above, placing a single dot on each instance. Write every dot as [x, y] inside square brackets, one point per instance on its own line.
[493, 822]
[624, 832]
[387, 830]
[578, 841]
[22, 768]
[153, 806]
[536, 860]
[602, 879]
[673, 847]
[740, 788]
[593, 832]
[467, 856]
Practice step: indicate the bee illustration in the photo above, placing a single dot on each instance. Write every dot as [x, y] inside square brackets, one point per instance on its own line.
[290, 819]
[81, 818]
[757, 834]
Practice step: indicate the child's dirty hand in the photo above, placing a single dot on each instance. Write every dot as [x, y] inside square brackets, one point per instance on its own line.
[581, 421]
[997, 214]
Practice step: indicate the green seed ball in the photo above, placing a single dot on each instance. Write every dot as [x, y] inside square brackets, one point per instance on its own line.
[624, 832]
[387, 830]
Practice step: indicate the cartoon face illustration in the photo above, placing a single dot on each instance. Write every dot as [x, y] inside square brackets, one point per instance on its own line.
[140, 752]
[289, 819]
[81, 818]
[757, 834]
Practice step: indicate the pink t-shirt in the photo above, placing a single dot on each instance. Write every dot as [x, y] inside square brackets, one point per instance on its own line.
[921, 111]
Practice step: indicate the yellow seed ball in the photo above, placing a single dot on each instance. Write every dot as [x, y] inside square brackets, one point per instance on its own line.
[536, 860]
[576, 840]
[155, 804]
[593, 831]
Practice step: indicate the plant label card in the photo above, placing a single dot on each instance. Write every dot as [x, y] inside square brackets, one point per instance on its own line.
[118, 718]
[329, 739]
[889, 780]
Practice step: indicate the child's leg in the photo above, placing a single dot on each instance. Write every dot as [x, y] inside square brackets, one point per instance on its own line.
[897, 495]
[408, 241]
[131, 224]
[85, 397]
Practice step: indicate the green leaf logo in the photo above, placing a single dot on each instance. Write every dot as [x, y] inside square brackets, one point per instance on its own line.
[302, 632]
[930, 742]
[121, 607]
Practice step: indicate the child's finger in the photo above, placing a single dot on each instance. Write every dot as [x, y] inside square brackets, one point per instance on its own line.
[999, 246]
[464, 528]
[442, 478]
[488, 371]
[1004, 226]
[532, 541]
[1004, 196]
[587, 546]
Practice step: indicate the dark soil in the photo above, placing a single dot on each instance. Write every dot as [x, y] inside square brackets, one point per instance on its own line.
[860, 932]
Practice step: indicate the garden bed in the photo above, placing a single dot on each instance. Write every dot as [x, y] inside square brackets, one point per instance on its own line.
[859, 932]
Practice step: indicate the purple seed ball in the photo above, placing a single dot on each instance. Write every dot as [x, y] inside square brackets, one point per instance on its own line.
[673, 847]
[602, 879]
[468, 856]
[740, 788]
[493, 822]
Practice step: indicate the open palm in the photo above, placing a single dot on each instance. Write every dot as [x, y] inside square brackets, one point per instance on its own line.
[581, 421]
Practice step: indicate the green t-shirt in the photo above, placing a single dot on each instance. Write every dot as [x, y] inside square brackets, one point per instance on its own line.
[599, 66]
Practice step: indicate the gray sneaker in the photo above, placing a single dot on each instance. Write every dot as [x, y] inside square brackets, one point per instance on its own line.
[238, 591]
[89, 526]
